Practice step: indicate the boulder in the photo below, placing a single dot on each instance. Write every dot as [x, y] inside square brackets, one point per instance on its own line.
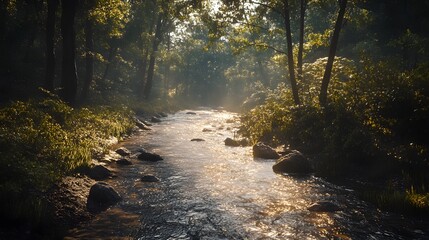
[101, 196]
[145, 122]
[197, 140]
[151, 157]
[141, 125]
[99, 172]
[231, 142]
[123, 151]
[294, 163]
[230, 120]
[149, 178]
[155, 119]
[260, 150]
[191, 113]
[163, 114]
[124, 161]
[324, 206]
[244, 142]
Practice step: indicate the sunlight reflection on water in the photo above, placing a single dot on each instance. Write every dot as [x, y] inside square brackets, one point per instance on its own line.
[266, 205]
[212, 191]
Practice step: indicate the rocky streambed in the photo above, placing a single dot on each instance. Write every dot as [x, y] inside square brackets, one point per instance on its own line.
[204, 189]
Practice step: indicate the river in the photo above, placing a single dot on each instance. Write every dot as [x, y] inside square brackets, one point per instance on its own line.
[211, 191]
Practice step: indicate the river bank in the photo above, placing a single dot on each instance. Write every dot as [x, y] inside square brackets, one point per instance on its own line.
[51, 156]
[209, 190]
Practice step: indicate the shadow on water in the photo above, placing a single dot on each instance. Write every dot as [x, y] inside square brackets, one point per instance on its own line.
[210, 191]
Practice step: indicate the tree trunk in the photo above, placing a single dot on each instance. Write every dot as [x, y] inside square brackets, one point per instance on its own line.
[112, 53]
[89, 53]
[151, 69]
[69, 74]
[301, 38]
[332, 49]
[50, 45]
[167, 69]
[290, 53]
[143, 70]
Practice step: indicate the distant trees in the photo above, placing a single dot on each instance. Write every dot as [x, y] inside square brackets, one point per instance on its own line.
[133, 47]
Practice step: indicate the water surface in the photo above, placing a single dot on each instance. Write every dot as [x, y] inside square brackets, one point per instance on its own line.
[212, 191]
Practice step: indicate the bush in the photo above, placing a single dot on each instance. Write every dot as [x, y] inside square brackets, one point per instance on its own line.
[377, 121]
[43, 140]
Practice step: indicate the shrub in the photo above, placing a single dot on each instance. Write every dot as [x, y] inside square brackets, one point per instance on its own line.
[377, 120]
[43, 140]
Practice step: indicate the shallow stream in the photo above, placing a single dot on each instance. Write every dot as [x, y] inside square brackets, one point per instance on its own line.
[211, 191]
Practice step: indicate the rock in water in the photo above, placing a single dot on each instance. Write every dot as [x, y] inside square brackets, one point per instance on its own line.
[294, 163]
[149, 178]
[101, 196]
[260, 150]
[191, 113]
[99, 173]
[123, 151]
[197, 140]
[124, 161]
[324, 206]
[155, 120]
[151, 157]
[244, 142]
[231, 142]
[141, 125]
[163, 114]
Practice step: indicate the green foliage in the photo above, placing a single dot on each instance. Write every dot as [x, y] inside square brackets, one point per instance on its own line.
[43, 140]
[407, 202]
[111, 14]
[377, 120]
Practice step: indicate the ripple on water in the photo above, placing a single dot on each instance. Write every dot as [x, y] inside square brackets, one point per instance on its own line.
[211, 191]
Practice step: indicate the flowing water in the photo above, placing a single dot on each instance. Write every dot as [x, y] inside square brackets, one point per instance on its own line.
[211, 191]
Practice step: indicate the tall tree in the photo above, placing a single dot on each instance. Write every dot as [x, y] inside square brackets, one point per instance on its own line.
[293, 84]
[303, 7]
[332, 49]
[50, 44]
[69, 74]
[155, 44]
[89, 49]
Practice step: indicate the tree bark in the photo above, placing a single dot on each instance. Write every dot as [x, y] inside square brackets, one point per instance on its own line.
[69, 74]
[89, 52]
[50, 45]
[332, 49]
[143, 70]
[290, 53]
[301, 38]
[112, 54]
[143, 67]
[151, 69]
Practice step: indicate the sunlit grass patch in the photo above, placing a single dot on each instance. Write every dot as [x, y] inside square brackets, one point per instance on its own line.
[407, 202]
[43, 140]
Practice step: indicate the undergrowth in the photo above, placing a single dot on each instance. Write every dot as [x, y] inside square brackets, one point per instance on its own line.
[375, 126]
[42, 140]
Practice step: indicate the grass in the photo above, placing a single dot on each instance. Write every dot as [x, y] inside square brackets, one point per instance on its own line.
[408, 202]
[43, 140]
